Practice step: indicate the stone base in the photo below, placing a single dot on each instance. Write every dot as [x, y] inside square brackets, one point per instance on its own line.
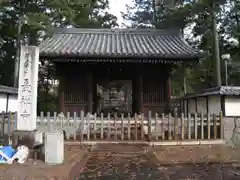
[27, 138]
[54, 147]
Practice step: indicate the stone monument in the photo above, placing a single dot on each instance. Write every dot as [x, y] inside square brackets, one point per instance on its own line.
[27, 98]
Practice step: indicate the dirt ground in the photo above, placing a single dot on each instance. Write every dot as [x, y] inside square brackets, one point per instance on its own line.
[196, 154]
[35, 169]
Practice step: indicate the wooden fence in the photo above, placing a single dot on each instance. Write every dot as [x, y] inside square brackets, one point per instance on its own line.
[152, 128]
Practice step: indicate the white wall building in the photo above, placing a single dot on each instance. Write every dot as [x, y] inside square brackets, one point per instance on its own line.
[8, 99]
[214, 100]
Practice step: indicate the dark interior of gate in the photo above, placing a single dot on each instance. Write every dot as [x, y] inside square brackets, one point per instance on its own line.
[114, 87]
[118, 70]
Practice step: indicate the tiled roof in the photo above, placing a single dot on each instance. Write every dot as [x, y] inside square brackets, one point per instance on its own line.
[223, 90]
[118, 43]
[8, 90]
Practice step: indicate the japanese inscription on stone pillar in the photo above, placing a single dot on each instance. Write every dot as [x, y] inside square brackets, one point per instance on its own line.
[27, 91]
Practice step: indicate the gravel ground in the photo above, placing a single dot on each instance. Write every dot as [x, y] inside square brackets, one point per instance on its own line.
[130, 162]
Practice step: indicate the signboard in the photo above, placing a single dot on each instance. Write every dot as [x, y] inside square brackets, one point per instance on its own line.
[27, 91]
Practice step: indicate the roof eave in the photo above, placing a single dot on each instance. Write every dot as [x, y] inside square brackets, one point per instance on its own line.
[53, 56]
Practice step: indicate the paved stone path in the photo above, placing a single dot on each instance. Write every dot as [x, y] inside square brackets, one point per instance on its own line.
[118, 162]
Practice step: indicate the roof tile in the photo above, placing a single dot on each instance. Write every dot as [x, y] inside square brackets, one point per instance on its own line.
[142, 43]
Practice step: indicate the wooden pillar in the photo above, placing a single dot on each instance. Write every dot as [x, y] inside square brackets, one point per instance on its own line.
[168, 91]
[89, 92]
[140, 93]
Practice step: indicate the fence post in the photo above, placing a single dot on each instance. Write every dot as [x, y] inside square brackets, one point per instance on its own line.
[82, 124]
[196, 126]
[136, 125]
[221, 125]
[41, 123]
[68, 124]
[150, 125]
[182, 124]
[189, 119]
[122, 127]
[54, 123]
[15, 120]
[75, 125]
[109, 126]
[88, 126]
[129, 126]
[115, 126]
[95, 127]
[102, 125]
[11, 118]
[169, 126]
[8, 114]
[202, 126]
[208, 125]
[142, 126]
[175, 123]
[215, 126]
[156, 124]
[163, 127]
[3, 124]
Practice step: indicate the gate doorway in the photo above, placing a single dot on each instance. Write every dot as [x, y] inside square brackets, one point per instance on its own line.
[114, 96]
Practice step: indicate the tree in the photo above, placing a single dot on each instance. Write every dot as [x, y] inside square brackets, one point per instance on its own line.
[38, 19]
[195, 15]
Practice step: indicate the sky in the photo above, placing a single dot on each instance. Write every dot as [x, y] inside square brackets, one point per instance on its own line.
[118, 6]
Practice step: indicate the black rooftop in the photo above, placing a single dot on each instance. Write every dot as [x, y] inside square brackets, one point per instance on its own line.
[118, 43]
[222, 90]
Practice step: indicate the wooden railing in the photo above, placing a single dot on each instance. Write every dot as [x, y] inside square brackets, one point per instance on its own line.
[152, 128]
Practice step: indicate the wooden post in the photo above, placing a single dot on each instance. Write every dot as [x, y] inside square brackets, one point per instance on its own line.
[89, 92]
[102, 128]
[140, 89]
[75, 123]
[95, 127]
[136, 126]
[221, 125]
[149, 125]
[169, 127]
[168, 90]
[196, 126]
[182, 126]
[142, 126]
[122, 127]
[129, 127]
[189, 121]
[82, 125]
[88, 126]
[163, 127]
[156, 124]
[215, 126]
[109, 126]
[202, 126]
[209, 125]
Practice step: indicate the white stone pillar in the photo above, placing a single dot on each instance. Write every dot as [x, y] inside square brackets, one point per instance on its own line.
[27, 91]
